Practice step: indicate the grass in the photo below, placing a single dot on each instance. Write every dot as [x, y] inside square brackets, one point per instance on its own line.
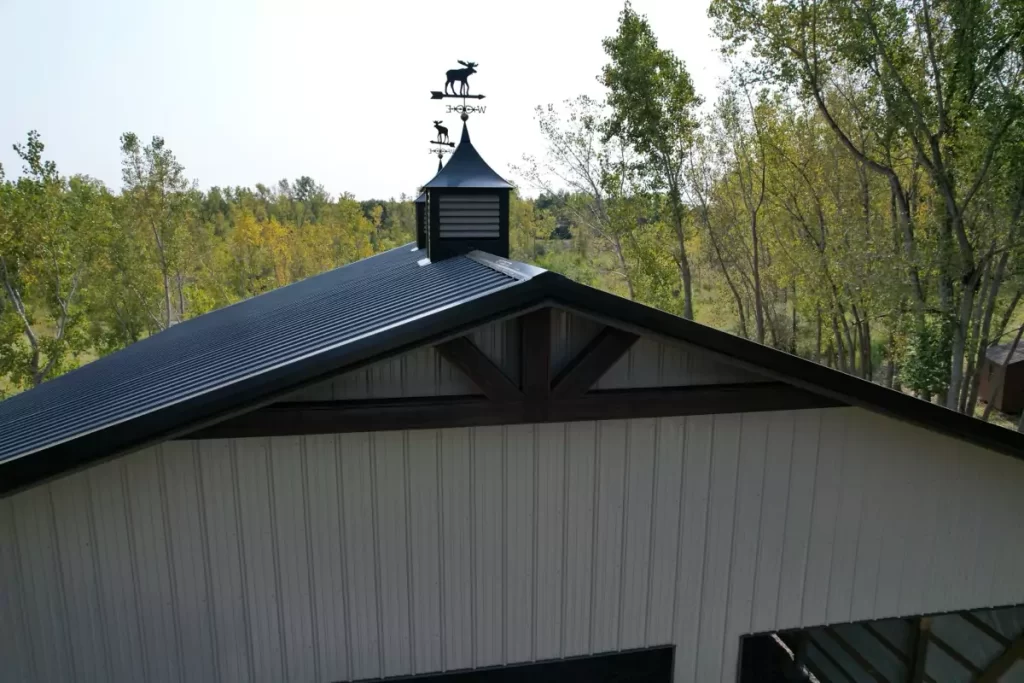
[997, 417]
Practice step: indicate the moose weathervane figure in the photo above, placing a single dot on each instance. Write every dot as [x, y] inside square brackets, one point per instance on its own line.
[443, 144]
[460, 77]
[442, 134]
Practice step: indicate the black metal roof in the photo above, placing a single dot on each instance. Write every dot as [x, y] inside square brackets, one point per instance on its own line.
[245, 355]
[241, 342]
[467, 169]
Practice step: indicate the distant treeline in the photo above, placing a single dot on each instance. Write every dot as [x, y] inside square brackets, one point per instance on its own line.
[85, 270]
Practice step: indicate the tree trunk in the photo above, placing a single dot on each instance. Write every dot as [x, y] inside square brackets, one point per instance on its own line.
[817, 333]
[684, 262]
[756, 272]
[732, 285]
[890, 379]
[869, 367]
[850, 346]
[793, 330]
[956, 370]
[19, 307]
[179, 281]
[991, 294]
[862, 337]
[840, 352]
[625, 267]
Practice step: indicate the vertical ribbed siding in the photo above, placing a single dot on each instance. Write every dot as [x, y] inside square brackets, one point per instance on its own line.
[355, 556]
[456, 546]
[15, 648]
[549, 541]
[654, 363]
[421, 372]
[487, 541]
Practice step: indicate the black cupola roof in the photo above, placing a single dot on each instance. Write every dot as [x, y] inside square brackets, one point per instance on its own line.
[467, 169]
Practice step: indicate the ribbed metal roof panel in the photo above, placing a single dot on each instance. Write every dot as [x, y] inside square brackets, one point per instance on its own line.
[239, 341]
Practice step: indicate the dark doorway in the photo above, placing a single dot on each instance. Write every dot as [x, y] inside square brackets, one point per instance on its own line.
[769, 659]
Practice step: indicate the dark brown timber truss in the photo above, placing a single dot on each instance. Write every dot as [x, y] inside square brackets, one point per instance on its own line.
[534, 396]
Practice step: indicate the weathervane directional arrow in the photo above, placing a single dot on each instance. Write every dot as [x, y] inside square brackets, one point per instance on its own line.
[457, 86]
[437, 95]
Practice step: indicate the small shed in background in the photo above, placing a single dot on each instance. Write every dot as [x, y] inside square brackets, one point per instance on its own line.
[1009, 391]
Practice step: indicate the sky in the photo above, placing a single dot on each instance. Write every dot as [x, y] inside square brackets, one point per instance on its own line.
[248, 91]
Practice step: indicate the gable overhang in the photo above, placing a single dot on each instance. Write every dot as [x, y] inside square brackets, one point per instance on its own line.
[822, 380]
[539, 289]
[195, 412]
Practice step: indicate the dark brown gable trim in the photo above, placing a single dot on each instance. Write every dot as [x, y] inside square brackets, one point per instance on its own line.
[463, 354]
[535, 354]
[590, 365]
[339, 417]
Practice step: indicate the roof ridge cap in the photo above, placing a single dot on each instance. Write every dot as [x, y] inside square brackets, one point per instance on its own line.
[515, 269]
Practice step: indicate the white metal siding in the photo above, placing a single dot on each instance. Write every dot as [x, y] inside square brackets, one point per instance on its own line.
[421, 372]
[654, 363]
[329, 558]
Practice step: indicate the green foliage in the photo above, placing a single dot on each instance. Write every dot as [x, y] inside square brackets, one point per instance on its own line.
[650, 92]
[925, 362]
[652, 106]
[48, 226]
[857, 181]
[84, 272]
[933, 93]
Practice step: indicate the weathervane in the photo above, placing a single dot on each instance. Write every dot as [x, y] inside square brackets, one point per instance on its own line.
[461, 78]
[443, 144]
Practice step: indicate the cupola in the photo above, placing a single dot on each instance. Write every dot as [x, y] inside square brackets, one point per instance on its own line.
[466, 206]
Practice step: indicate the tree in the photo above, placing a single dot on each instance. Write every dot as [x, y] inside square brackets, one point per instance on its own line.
[943, 81]
[652, 103]
[157, 204]
[600, 172]
[47, 246]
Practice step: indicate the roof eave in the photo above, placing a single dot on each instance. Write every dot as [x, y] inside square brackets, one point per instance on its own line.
[208, 408]
[786, 367]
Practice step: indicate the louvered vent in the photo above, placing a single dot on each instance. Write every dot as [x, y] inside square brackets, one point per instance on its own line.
[465, 216]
